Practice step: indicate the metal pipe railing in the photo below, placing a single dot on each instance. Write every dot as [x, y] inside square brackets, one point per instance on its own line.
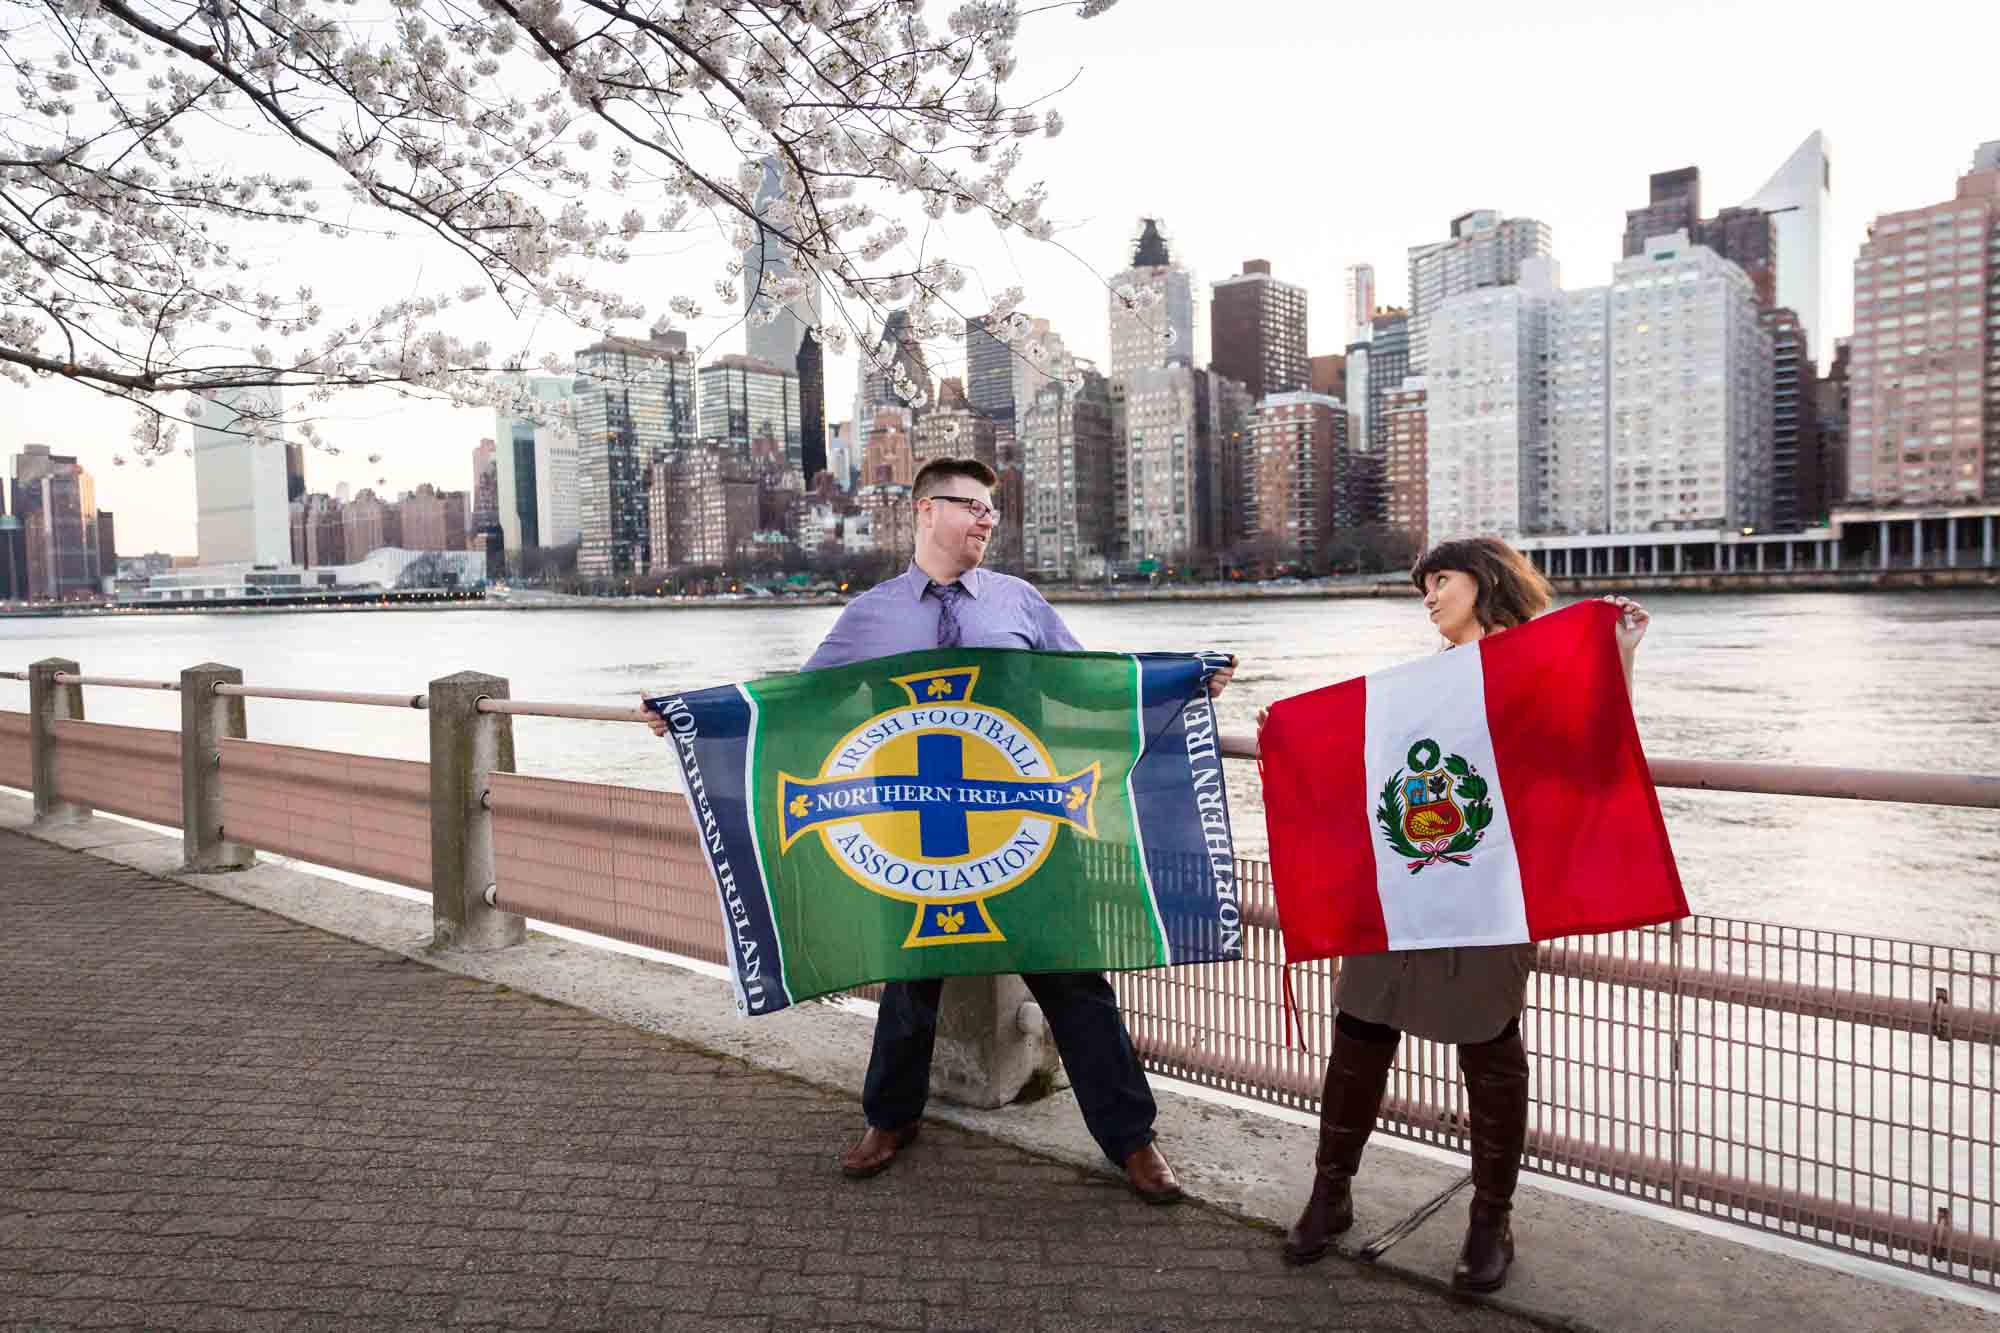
[325, 696]
[116, 682]
[1976, 790]
[1970, 790]
[583, 712]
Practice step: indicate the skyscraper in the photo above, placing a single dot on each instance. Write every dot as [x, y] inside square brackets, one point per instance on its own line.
[1257, 330]
[1067, 441]
[744, 400]
[1799, 195]
[1924, 393]
[243, 509]
[634, 401]
[1486, 441]
[1360, 304]
[55, 507]
[877, 374]
[1162, 332]
[767, 278]
[1485, 250]
[535, 464]
[485, 488]
[811, 366]
[1798, 474]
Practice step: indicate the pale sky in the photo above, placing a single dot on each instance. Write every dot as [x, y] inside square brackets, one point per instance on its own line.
[1313, 135]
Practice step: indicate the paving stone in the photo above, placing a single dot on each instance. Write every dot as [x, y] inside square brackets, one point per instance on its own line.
[214, 1118]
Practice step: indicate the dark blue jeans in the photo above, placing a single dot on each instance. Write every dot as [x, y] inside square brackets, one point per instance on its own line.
[1083, 1016]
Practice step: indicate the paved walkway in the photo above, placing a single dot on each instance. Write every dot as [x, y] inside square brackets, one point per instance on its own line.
[211, 1117]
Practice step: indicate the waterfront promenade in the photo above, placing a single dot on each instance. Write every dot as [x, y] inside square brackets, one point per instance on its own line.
[213, 1116]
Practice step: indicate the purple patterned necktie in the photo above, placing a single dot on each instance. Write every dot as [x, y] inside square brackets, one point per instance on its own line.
[947, 595]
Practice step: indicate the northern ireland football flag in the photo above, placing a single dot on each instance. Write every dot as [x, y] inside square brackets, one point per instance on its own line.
[1492, 794]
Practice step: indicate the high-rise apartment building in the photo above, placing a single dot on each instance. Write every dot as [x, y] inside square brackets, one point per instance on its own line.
[743, 400]
[1257, 331]
[242, 507]
[1484, 396]
[701, 508]
[1690, 379]
[1406, 460]
[1168, 476]
[1287, 467]
[369, 523]
[1067, 441]
[1159, 333]
[1573, 460]
[1798, 473]
[634, 401]
[1924, 392]
[295, 471]
[1386, 364]
[534, 464]
[1360, 303]
[1485, 250]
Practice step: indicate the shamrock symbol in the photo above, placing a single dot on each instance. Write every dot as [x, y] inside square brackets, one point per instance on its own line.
[799, 806]
[950, 921]
[938, 689]
[1075, 801]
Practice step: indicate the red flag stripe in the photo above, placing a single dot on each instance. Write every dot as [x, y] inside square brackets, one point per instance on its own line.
[1317, 811]
[1586, 818]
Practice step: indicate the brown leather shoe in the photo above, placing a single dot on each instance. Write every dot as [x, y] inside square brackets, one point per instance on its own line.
[878, 1148]
[1147, 1172]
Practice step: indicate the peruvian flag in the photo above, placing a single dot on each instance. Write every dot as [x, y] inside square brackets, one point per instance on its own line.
[1492, 794]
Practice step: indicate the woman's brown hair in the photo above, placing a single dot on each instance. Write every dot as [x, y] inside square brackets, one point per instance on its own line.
[1511, 590]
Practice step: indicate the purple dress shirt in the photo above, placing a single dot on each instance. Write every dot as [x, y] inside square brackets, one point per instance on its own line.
[999, 611]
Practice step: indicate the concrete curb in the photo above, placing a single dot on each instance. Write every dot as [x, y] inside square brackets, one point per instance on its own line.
[1585, 1262]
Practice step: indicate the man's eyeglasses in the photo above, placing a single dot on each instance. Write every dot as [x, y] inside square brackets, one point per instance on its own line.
[977, 508]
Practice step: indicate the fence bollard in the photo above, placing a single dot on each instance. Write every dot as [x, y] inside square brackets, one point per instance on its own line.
[466, 745]
[207, 717]
[49, 703]
[986, 1054]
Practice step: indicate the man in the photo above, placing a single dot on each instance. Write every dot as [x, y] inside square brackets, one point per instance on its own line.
[945, 599]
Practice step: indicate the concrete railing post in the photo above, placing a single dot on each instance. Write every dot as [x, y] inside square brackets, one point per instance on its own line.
[991, 1042]
[207, 717]
[48, 704]
[466, 745]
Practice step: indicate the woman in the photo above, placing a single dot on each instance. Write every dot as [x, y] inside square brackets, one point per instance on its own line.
[1472, 997]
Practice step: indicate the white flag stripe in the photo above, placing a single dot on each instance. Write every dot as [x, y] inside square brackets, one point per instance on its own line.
[1442, 699]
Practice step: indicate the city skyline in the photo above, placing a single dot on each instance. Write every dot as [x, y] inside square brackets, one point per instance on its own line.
[1890, 153]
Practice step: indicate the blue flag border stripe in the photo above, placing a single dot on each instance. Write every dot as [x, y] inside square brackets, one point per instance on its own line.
[1138, 715]
[757, 842]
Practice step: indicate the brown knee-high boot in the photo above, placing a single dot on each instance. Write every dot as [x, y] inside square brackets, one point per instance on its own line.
[1357, 1073]
[1496, 1087]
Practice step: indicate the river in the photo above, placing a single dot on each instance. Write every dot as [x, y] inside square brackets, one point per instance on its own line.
[1882, 680]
